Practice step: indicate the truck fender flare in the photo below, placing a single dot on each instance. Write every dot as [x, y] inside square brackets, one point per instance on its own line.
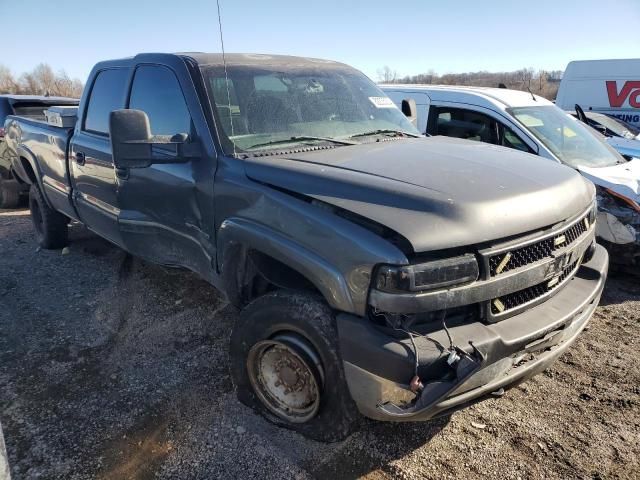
[29, 156]
[239, 233]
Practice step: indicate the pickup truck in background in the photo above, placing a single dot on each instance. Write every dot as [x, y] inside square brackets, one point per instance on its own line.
[378, 272]
[31, 106]
[529, 123]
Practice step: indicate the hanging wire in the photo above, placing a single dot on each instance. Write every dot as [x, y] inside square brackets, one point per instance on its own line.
[226, 75]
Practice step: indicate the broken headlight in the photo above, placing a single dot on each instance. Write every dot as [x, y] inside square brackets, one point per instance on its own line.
[427, 276]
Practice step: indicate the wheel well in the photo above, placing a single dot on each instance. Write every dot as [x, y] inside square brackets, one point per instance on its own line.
[249, 274]
[29, 171]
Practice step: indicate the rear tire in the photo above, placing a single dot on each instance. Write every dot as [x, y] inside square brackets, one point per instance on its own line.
[50, 226]
[9, 193]
[285, 364]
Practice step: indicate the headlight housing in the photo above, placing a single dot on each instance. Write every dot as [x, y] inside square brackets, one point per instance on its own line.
[427, 276]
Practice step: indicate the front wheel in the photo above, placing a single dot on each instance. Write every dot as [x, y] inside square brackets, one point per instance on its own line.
[50, 226]
[285, 364]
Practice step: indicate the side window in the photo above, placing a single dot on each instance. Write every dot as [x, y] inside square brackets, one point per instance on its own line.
[107, 94]
[509, 138]
[156, 92]
[467, 124]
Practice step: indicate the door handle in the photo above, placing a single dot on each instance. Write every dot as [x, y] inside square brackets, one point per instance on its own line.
[80, 158]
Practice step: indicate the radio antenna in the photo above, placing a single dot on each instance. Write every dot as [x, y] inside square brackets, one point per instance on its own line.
[226, 77]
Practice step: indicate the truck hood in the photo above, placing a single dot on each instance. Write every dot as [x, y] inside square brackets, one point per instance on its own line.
[623, 179]
[437, 192]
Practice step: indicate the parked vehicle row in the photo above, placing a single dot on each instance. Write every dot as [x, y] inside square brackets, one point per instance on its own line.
[532, 124]
[379, 272]
[622, 136]
[11, 190]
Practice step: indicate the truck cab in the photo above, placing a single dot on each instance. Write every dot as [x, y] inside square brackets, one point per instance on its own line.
[377, 272]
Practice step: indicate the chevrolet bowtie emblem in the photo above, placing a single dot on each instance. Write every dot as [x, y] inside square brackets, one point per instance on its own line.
[559, 240]
[503, 263]
[499, 305]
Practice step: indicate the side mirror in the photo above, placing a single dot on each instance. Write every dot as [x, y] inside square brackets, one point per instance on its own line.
[410, 110]
[132, 144]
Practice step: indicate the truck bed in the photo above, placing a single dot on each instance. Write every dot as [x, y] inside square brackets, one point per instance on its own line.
[34, 144]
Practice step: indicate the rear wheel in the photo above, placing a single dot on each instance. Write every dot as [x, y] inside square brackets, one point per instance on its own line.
[9, 193]
[50, 226]
[285, 364]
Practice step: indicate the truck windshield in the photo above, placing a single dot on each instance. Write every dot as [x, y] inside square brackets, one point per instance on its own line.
[262, 109]
[566, 137]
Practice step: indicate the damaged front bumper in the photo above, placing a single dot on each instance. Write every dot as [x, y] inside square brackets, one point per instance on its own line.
[618, 229]
[501, 355]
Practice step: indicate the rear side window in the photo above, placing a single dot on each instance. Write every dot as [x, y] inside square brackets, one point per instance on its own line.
[107, 94]
[156, 92]
[467, 124]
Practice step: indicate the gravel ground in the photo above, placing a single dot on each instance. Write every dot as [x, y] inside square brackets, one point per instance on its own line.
[113, 368]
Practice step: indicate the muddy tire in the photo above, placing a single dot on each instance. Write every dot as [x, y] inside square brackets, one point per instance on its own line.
[9, 193]
[285, 364]
[50, 226]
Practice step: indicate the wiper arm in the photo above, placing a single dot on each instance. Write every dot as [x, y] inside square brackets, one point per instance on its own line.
[383, 131]
[301, 138]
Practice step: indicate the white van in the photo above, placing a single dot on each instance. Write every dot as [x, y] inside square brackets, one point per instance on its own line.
[533, 124]
[603, 86]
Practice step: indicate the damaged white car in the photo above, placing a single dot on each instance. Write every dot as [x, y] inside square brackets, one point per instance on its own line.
[533, 124]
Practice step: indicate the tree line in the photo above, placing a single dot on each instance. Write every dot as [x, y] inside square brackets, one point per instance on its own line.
[42, 80]
[541, 82]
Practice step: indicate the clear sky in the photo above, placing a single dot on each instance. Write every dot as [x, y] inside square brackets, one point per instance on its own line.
[410, 36]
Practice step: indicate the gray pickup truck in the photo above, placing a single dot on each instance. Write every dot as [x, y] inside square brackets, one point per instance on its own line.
[378, 272]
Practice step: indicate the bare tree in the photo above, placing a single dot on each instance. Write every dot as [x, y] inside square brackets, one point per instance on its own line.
[541, 83]
[386, 75]
[42, 80]
[7, 82]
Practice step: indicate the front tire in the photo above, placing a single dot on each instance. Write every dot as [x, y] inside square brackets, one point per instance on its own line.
[50, 226]
[285, 364]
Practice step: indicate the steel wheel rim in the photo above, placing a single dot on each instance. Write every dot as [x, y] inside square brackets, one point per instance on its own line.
[286, 374]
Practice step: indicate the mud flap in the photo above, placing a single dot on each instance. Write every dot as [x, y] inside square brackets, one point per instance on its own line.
[436, 391]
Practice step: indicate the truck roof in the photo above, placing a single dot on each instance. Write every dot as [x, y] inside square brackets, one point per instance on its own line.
[259, 59]
[503, 96]
[282, 62]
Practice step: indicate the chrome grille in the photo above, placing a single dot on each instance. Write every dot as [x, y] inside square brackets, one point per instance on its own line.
[516, 299]
[534, 252]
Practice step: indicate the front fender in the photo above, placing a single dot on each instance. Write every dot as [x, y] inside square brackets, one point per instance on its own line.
[251, 235]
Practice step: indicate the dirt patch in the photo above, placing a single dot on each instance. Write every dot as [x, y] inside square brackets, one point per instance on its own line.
[113, 368]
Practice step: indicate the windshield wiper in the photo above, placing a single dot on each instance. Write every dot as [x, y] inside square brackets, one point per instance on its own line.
[383, 131]
[301, 138]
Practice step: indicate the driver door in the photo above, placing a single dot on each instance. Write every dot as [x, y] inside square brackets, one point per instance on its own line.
[165, 208]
